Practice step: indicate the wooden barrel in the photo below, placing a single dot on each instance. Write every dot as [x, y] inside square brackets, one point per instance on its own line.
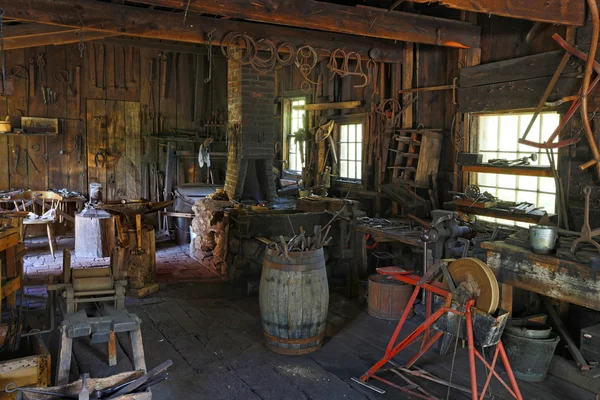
[294, 298]
[388, 297]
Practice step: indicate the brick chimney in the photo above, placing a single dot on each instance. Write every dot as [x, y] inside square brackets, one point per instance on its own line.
[250, 152]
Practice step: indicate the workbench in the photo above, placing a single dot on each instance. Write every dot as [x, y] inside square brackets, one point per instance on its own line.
[546, 275]
[391, 234]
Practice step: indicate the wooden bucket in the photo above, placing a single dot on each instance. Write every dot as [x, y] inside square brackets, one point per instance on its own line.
[388, 298]
[294, 298]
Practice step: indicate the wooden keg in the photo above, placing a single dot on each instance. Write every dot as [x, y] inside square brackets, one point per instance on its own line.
[388, 297]
[142, 263]
[294, 298]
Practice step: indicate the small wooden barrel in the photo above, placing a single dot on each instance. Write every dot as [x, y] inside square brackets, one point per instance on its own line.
[388, 298]
[142, 265]
[294, 298]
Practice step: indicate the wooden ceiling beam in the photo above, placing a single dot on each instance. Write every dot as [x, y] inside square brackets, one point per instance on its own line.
[28, 30]
[116, 19]
[564, 12]
[323, 16]
[49, 39]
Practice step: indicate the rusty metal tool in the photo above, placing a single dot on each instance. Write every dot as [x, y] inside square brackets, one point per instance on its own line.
[31, 77]
[29, 159]
[17, 152]
[63, 76]
[77, 84]
[163, 75]
[142, 380]
[12, 387]
[587, 234]
[41, 63]
[549, 89]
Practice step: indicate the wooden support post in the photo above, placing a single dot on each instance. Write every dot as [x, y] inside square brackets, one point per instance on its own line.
[506, 298]
[466, 58]
[358, 265]
[66, 266]
[137, 349]
[112, 349]
[63, 366]
[11, 272]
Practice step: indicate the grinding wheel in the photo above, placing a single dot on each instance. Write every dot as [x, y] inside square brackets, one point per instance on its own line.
[475, 270]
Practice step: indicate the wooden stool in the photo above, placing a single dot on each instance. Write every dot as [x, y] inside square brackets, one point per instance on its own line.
[102, 330]
[142, 261]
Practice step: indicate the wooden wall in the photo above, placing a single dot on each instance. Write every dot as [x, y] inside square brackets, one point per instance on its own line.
[110, 114]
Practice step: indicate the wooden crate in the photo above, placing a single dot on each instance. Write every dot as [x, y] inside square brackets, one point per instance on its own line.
[26, 370]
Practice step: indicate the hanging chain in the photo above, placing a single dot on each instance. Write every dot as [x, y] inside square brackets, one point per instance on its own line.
[3, 55]
[210, 65]
[81, 45]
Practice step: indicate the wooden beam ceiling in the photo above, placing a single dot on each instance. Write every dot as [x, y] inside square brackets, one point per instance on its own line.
[564, 12]
[116, 19]
[32, 35]
[310, 14]
[54, 39]
[29, 30]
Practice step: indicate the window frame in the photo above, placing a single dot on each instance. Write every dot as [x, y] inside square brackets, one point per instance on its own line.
[287, 133]
[474, 145]
[349, 120]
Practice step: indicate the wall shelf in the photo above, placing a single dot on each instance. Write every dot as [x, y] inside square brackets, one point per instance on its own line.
[545, 172]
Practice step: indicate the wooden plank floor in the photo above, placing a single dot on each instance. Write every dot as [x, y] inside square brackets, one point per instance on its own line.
[214, 337]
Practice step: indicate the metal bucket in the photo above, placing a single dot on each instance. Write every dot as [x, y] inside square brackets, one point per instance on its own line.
[542, 238]
[529, 357]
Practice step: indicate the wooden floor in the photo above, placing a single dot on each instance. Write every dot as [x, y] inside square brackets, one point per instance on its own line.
[214, 337]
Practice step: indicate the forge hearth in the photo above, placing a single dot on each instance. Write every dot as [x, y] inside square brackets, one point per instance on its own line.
[251, 135]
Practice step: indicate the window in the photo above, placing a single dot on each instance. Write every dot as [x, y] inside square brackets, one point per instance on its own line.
[498, 138]
[296, 123]
[351, 151]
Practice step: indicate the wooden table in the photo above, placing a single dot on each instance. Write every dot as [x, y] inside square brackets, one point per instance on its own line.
[547, 275]
[61, 212]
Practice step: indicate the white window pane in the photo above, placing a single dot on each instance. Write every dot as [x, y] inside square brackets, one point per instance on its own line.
[527, 197]
[507, 181]
[352, 133]
[359, 132]
[549, 124]
[359, 170]
[344, 151]
[359, 151]
[534, 133]
[488, 134]
[344, 133]
[344, 169]
[547, 201]
[528, 183]
[547, 185]
[509, 132]
[486, 179]
[507, 195]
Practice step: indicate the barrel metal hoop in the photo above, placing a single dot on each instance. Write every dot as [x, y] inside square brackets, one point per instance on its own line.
[295, 341]
[291, 267]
